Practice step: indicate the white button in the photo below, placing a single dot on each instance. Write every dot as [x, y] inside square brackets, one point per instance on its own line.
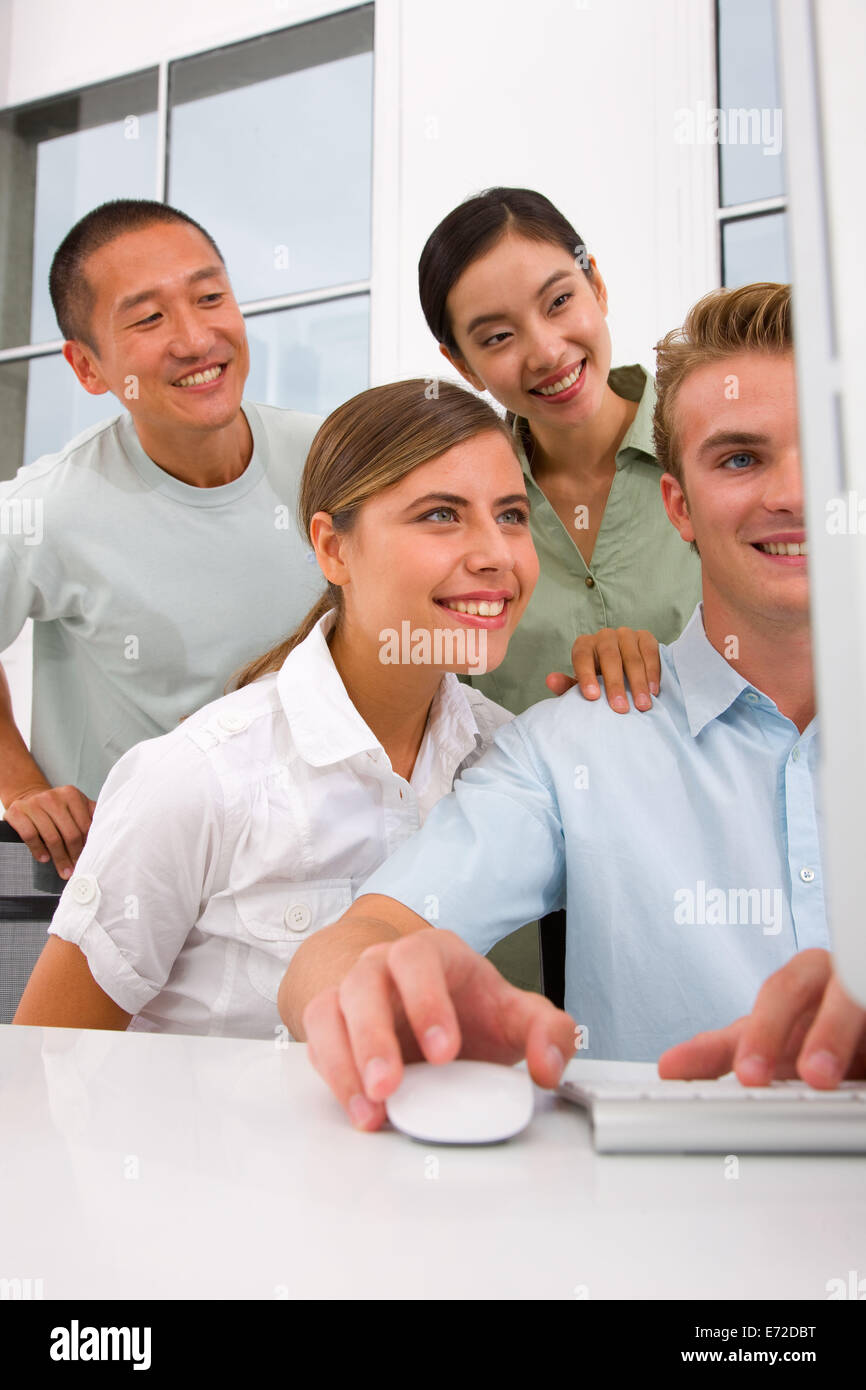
[752, 697]
[232, 723]
[297, 917]
[84, 888]
[796, 754]
[807, 875]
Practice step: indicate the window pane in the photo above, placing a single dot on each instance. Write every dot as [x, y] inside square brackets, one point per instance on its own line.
[750, 124]
[312, 358]
[755, 248]
[57, 161]
[290, 116]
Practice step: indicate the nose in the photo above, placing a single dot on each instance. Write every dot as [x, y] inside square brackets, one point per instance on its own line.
[489, 549]
[783, 491]
[544, 348]
[191, 335]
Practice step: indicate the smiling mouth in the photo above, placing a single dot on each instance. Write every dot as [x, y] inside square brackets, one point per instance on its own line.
[782, 547]
[480, 609]
[563, 384]
[202, 378]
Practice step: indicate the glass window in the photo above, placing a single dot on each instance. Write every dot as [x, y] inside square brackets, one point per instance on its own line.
[290, 116]
[755, 248]
[750, 118]
[311, 358]
[58, 162]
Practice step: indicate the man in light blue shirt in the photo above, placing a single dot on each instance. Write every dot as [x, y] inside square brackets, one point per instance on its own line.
[684, 845]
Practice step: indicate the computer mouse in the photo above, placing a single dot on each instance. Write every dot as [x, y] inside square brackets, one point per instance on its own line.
[461, 1102]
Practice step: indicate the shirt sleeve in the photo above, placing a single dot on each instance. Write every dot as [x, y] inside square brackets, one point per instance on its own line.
[148, 867]
[491, 855]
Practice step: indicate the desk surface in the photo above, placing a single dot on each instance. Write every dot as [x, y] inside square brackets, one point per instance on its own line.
[155, 1166]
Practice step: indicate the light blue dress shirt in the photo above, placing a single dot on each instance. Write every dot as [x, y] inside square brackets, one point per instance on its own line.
[683, 841]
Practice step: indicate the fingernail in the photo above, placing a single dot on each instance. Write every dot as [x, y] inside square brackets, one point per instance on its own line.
[556, 1060]
[754, 1071]
[825, 1066]
[375, 1071]
[361, 1112]
[435, 1041]
[654, 687]
[592, 690]
[43, 859]
[643, 702]
[620, 703]
[64, 873]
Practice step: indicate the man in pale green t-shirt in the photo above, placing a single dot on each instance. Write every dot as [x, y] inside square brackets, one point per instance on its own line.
[158, 552]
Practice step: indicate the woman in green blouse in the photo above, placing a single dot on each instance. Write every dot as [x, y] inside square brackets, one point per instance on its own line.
[519, 308]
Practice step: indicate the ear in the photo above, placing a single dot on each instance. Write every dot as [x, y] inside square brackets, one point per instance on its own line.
[328, 545]
[85, 364]
[459, 365]
[676, 506]
[599, 288]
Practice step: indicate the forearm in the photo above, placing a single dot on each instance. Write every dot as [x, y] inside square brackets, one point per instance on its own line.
[18, 771]
[324, 961]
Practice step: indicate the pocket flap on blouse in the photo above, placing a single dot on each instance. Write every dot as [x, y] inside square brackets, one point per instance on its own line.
[282, 911]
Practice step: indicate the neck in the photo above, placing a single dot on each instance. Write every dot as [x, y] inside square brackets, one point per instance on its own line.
[393, 701]
[774, 655]
[201, 458]
[586, 448]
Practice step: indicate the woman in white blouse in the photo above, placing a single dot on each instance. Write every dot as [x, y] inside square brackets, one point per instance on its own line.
[217, 848]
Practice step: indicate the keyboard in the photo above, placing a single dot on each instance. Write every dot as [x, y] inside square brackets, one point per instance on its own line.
[632, 1111]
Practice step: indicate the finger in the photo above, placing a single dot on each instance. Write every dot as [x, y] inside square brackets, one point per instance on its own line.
[21, 822]
[52, 839]
[67, 823]
[649, 648]
[584, 661]
[610, 664]
[782, 1000]
[702, 1057]
[635, 670]
[370, 1005]
[559, 683]
[548, 1037]
[834, 1039]
[79, 808]
[330, 1052]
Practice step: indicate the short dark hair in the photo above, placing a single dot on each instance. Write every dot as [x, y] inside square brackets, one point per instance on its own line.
[71, 293]
[473, 228]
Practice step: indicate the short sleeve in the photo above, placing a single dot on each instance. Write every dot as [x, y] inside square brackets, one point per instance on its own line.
[490, 856]
[18, 592]
[147, 869]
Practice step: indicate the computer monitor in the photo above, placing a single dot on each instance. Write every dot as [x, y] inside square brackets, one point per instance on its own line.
[822, 50]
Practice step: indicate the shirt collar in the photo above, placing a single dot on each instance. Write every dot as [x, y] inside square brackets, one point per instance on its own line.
[632, 383]
[326, 727]
[709, 683]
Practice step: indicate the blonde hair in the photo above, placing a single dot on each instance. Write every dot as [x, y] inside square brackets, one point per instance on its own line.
[365, 446]
[752, 318]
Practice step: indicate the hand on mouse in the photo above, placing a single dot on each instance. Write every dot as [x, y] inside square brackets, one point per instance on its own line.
[426, 996]
[803, 1024]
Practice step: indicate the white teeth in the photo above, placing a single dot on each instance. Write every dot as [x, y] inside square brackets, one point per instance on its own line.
[476, 610]
[199, 378]
[562, 385]
[785, 548]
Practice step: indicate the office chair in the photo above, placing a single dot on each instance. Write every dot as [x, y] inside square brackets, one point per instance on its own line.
[551, 942]
[24, 918]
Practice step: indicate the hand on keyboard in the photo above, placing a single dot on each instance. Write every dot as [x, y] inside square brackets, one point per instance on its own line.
[803, 1024]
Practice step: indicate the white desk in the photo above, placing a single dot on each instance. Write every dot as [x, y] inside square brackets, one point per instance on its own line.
[251, 1184]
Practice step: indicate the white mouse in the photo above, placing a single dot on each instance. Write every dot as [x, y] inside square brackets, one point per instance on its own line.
[461, 1102]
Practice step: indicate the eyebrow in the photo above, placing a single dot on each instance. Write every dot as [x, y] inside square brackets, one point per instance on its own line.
[132, 300]
[722, 439]
[456, 501]
[492, 318]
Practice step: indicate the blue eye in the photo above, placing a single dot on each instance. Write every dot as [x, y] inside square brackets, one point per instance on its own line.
[448, 512]
[735, 461]
[519, 516]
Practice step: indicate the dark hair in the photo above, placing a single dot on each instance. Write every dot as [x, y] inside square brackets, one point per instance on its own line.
[472, 229]
[71, 293]
[364, 447]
